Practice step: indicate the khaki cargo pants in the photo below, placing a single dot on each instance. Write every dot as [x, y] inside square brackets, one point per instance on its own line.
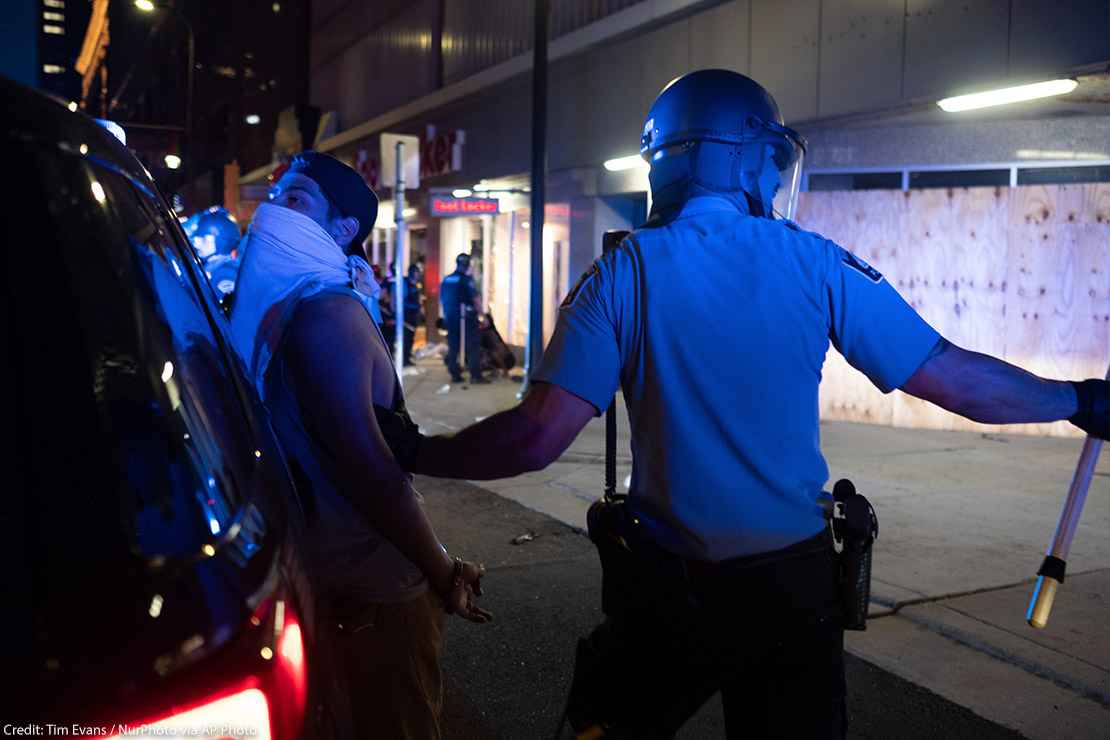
[389, 655]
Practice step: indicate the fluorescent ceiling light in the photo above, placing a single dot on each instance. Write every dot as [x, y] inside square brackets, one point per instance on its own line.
[631, 162]
[462, 193]
[173, 161]
[144, 5]
[1056, 154]
[1005, 95]
[253, 119]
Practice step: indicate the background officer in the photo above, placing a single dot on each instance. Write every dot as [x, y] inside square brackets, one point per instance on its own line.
[727, 465]
[461, 304]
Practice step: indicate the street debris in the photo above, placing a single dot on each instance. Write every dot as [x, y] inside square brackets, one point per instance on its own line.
[429, 350]
[522, 538]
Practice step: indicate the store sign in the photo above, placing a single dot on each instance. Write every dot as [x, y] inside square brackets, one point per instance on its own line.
[367, 166]
[446, 205]
[441, 153]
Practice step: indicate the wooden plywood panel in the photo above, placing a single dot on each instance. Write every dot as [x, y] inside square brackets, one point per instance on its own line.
[1022, 274]
[1057, 323]
[868, 224]
[956, 278]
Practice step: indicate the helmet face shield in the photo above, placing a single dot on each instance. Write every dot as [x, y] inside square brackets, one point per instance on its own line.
[790, 182]
[788, 154]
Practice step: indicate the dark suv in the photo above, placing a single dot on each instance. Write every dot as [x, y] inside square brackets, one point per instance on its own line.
[151, 546]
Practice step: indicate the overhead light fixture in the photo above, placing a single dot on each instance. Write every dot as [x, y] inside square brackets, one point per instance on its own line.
[1007, 95]
[480, 187]
[144, 5]
[631, 162]
[253, 119]
[172, 161]
[72, 106]
[1060, 154]
[462, 193]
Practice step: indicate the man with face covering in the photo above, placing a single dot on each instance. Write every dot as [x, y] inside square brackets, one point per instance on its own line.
[304, 322]
[735, 589]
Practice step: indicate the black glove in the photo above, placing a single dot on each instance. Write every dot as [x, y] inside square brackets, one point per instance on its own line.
[1093, 415]
[401, 434]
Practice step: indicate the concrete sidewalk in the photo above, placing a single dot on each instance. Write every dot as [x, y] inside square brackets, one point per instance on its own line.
[964, 520]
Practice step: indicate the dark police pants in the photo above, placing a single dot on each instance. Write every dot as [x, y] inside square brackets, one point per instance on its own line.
[763, 631]
[412, 319]
[454, 340]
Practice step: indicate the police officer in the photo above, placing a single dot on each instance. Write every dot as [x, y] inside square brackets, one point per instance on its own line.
[413, 302]
[727, 465]
[461, 303]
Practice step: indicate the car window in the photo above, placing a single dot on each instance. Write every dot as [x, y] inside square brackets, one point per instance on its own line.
[170, 412]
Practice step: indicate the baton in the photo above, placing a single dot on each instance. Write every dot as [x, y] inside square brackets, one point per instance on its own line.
[610, 241]
[1051, 574]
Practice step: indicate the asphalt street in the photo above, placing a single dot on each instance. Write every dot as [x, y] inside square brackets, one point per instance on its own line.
[509, 679]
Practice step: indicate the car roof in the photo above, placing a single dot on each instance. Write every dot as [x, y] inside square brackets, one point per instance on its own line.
[33, 117]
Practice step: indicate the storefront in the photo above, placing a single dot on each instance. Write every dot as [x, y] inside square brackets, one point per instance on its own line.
[488, 218]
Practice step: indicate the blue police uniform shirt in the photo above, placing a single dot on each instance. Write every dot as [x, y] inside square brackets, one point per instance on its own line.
[716, 326]
[457, 289]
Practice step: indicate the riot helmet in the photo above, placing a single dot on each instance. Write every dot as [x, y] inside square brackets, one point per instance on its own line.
[213, 232]
[719, 131]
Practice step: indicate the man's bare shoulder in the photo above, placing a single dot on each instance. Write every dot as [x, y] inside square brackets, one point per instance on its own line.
[332, 325]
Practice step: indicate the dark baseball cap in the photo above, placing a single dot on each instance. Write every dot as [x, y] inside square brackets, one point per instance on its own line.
[344, 188]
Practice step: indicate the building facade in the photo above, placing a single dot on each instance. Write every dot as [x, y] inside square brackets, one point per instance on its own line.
[860, 78]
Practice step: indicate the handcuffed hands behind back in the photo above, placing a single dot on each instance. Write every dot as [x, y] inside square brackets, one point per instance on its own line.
[459, 595]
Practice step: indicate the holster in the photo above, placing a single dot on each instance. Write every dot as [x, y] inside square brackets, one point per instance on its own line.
[854, 528]
[631, 564]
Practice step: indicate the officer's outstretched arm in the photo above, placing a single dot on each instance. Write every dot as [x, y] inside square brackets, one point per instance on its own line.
[989, 390]
[528, 437]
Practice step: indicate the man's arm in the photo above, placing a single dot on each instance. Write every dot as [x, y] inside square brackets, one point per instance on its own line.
[988, 390]
[530, 436]
[340, 417]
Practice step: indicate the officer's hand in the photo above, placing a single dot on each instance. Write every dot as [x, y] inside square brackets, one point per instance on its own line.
[402, 436]
[1093, 415]
[460, 594]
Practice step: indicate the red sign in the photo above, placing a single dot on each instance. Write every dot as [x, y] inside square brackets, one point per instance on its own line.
[441, 154]
[446, 205]
[367, 166]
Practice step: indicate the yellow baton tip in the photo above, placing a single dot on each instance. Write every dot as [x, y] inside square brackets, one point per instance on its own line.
[1040, 606]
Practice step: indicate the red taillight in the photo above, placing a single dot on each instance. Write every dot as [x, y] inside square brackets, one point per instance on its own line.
[287, 684]
[236, 716]
[268, 704]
